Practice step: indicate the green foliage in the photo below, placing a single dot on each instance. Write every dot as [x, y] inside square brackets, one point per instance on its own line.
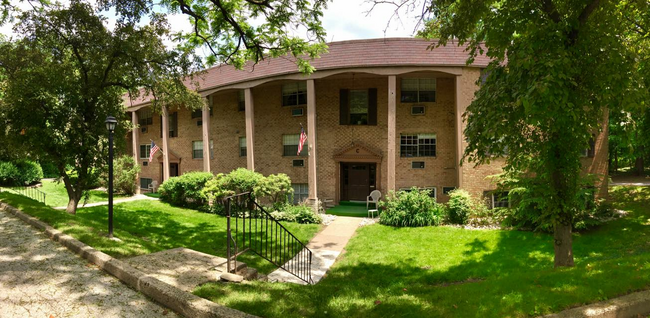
[186, 190]
[411, 208]
[125, 175]
[237, 181]
[239, 31]
[49, 170]
[459, 206]
[66, 72]
[275, 188]
[301, 213]
[20, 173]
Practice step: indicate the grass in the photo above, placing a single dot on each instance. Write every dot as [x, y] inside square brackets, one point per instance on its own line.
[447, 271]
[148, 226]
[346, 208]
[56, 194]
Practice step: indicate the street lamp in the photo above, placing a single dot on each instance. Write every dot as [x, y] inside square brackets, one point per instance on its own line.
[111, 122]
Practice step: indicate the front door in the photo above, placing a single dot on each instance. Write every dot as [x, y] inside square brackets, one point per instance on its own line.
[357, 180]
[173, 170]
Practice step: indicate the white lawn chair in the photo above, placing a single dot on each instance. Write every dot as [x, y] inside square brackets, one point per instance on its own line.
[373, 198]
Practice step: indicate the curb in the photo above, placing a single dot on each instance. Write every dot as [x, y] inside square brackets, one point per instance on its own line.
[631, 305]
[182, 302]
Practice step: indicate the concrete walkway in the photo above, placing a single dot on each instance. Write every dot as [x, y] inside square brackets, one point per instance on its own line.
[40, 278]
[133, 198]
[326, 246]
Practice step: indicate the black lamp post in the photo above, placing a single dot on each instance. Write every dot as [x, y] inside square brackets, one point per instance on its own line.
[111, 122]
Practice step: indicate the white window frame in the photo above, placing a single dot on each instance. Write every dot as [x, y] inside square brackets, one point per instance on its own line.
[305, 195]
[201, 141]
[419, 136]
[419, 88]
[242, 145]
[295, 88]
[294, 140]
[147, 152]
[493, 200]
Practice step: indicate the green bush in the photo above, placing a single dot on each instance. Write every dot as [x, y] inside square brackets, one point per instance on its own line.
[125, 175]
[237, 181]
[186, 190]
[459, 207]
[410, 208]
[20, 173]
[275, 188]
[8, 173]
[297, 213]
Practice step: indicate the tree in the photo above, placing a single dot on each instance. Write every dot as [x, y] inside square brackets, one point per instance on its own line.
[68, 72]
[557, 67]
[238, 31]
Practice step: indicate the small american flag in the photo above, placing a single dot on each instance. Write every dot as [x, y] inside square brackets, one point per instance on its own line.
[303, 138]
[153, 151]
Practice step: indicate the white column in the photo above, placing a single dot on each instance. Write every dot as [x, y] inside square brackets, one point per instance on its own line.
[165, 142]
[135, 139]
[392, 102]
[206, 134]
[459, 133]
[250, 129]
[311, 140]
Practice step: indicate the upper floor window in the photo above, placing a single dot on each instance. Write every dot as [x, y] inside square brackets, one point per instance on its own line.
[358, 107]
[145, 116]
[197, 149]
[144, 151]
[418, 145]
[294, 94]
[199, 113]
[418, 90]
[241, 101]
[172, 123]
[290, 145]
[242, 147]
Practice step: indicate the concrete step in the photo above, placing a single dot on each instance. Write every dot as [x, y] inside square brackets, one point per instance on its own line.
[233, 278]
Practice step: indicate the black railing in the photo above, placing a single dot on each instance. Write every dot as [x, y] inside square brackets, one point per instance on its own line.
[29, 192]
[252, 228]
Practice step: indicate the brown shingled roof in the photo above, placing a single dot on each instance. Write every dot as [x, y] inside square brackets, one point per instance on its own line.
[344, 54]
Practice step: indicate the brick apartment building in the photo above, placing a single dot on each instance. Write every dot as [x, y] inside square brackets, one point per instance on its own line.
[380, 114]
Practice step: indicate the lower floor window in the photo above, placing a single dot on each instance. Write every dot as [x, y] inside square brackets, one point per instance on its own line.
[500, 199]
[432, 190]
[197, 150]
[300, 192]
[145, 183]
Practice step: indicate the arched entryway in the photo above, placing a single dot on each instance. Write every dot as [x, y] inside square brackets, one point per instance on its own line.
[358, 172]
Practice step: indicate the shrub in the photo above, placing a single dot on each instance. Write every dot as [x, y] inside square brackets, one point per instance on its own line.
[242, 180]
[125, 175]
[8, 173]
[459, 206]
[186, 190]
[410, 208]
[275, 188]
[297, 213]
[20, 173]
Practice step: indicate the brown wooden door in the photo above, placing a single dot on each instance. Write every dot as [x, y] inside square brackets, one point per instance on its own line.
[173, 170]
[355, 181]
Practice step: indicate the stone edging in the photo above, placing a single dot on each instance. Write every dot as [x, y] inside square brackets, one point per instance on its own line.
[180, 301]
[631, 305]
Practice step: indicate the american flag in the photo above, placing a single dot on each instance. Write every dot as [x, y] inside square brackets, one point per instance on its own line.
[153, 151]
[303, 138]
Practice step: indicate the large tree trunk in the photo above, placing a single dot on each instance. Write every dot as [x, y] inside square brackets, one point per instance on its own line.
[563, 243]
[72, 205]
[639, 164]
[74, 195]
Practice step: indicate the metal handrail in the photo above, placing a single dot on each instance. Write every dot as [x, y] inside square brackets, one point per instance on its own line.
[286, 251]
[30, 192]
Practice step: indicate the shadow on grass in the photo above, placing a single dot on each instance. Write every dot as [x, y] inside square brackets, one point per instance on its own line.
[441, 272]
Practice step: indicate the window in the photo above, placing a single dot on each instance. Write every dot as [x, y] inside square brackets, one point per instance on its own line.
[241, 101]
[418, 145]
[197, 149]
[145, 183]
[145, 116]
[500, 199]
[294, 94]
[418, 90]
[358, 107]
[144, 151]
[173, 125]
[300, 192]
[446, 190]
[290, 144]
[199, 113]
[242, 146]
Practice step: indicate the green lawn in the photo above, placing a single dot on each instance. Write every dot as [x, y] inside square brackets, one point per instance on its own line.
[56, 195]
[148, 226]
[345, 208]
[446, 271]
